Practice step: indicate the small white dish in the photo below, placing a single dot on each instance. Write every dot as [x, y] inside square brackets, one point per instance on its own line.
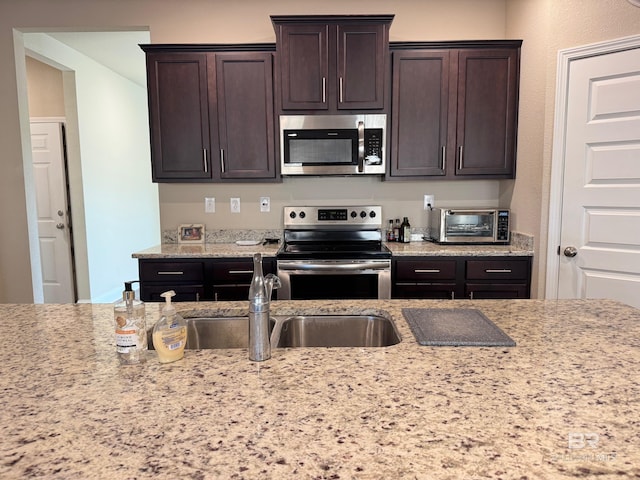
[247, 243]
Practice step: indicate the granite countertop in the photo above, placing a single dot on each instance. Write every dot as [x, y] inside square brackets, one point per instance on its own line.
[563, 403]
[206, 250]
[421, 248]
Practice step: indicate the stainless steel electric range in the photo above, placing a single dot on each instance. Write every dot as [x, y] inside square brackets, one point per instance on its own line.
[333, 252]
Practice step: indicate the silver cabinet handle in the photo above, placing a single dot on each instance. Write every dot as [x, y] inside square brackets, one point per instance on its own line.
[360, 147]
[427, 270]
[340, 81]
[240, 272]
[204, 160]
[444, 157]
[498, 270]
[171, 273]
[453, 295]
[197, 296]
[222, 159]
[460, 157]
[324, 89]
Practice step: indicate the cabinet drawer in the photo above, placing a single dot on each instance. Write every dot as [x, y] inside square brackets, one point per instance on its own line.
[171, 272]
[422, 270]
[444, 291]
[233, 272]
[497, 269]
[478, 291]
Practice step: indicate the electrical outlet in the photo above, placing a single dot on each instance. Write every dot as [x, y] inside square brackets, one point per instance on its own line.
[235, 205]
[209, 205]
[265, 204]
[429, 202]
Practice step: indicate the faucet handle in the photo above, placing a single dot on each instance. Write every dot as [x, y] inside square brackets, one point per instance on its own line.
[271, 282]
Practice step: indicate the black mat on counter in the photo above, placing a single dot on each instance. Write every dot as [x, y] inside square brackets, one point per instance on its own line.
[455, 327]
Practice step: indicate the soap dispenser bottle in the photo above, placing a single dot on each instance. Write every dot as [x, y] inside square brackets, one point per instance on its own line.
[170, 333]
[130, 327]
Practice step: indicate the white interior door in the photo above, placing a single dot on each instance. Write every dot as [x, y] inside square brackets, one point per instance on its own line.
[53, 220]
[599, 253]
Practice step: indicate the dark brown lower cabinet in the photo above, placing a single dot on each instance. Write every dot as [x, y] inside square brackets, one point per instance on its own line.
[461, 277]
[202, 279]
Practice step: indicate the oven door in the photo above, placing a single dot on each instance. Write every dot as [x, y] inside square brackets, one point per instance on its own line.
[334, 279]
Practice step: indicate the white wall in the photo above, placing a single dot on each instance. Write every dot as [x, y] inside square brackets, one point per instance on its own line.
[121, 208]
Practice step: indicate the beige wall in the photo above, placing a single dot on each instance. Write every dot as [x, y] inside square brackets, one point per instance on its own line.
[545, 26]
[44, 83]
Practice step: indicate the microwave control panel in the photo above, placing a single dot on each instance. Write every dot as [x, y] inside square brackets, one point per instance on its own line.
[373, 145]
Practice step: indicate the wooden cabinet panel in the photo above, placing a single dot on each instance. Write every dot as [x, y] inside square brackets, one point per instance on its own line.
[461, 277]
[487, 111]
[245, 139]
[362, 53]
[454, 110]
[498, 269]
[178, 116]
[332, 63]
[199, 279]
[419, 113]
[211, 113]
[304, 66]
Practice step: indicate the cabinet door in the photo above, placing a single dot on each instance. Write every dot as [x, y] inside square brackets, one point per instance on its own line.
[243, 109]
[487, 112]
[361, 66]
[178, 116]
[420, 99]
[304, 66]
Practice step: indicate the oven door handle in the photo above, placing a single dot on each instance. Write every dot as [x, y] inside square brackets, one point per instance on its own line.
[342, 267]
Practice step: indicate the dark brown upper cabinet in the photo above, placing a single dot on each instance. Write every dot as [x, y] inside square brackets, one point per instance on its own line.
[332, 63]
[454, 109]
[211, 113]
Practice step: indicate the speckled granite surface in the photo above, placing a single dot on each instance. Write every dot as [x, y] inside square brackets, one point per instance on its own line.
[212, 250]
[564, 403]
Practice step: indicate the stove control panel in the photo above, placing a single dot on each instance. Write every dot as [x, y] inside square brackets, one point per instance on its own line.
[362, 216]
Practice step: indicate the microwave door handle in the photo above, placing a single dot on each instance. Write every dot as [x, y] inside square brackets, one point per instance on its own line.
[360, 147]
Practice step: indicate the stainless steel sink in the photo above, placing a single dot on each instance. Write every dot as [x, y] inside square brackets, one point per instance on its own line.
[335, 331]
[292, 331]
[216, 332]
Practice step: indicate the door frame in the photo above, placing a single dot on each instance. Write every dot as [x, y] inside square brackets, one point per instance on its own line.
[565, 58]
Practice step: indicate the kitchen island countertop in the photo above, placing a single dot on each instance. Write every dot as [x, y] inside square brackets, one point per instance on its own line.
[563, 403]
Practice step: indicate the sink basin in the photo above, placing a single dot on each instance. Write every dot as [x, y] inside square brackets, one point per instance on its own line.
[216, 332]
[292, 331]
[335, 331]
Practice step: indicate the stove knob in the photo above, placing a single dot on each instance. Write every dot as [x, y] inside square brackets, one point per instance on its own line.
[353, 214]
[302, 214]
[292, 215]
[363, 214]
[372, 214]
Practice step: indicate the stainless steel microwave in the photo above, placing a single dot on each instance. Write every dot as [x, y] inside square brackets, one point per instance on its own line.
[469, 225]
[333, 144]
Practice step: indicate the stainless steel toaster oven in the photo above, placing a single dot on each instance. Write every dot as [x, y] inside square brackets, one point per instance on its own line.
[469, 225]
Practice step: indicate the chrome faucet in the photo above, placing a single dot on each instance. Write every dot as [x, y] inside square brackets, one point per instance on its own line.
[259, 305]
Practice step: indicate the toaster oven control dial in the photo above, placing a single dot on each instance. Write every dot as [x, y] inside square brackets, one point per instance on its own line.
[363, 214]
[353, 214]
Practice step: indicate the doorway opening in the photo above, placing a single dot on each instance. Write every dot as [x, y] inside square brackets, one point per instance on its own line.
[113, 203]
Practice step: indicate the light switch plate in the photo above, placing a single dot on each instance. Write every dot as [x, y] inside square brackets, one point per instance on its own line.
[429, 201]
[235, 205]
[209, 205]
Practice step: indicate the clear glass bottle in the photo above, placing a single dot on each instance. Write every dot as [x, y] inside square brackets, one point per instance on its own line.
[130, 327]
[259, 342]
[396, 230]
[390, 232]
